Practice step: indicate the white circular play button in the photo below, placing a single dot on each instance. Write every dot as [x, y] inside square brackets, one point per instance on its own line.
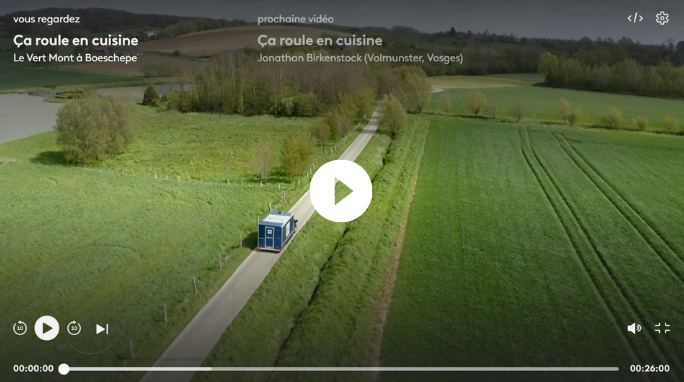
[47, 328]
[350, 175]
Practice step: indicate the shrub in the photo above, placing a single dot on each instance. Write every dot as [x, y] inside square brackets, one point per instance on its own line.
[476, 102]
[491, 108]
[151, 97]
[613, 119]
[332, 119]
[641, 122]
[90, 129]
[75, 94]
[182, 101]
[321, 132]
[575, 117]
[445, 98]
[306, 105]
[296, 154]
[265, 158]
[365, 103]
[394, 116]
[347, 108]
[670, 124]
[518, 110]
[565, 110]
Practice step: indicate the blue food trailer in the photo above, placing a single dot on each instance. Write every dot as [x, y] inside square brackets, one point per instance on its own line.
[276, 230]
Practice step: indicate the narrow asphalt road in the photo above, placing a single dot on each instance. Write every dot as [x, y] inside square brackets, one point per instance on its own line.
[197, 340]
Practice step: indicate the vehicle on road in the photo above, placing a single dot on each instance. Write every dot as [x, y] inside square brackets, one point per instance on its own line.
[276, 230]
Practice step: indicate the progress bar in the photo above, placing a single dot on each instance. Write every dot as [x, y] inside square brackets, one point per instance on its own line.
[65, 369]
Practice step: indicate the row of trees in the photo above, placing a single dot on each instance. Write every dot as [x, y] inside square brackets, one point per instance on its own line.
[627, 76]
[239, 83]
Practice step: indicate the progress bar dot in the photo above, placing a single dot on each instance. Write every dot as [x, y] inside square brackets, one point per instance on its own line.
[63, 369]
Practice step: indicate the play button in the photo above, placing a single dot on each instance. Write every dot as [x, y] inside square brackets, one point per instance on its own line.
[47, 328]
[348, 206]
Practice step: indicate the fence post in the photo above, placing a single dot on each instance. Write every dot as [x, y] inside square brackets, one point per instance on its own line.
[269, 207]
[220, 264]
[179, 178]
[194, 283]
[240, 240]
[262, 184]
[166, 315]
[130, 348]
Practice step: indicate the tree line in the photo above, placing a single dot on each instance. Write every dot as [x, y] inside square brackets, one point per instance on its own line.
[627, 76]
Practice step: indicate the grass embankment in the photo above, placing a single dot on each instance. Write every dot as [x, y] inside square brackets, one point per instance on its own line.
[543, 104]
[517, 253]
[315, 307]
[100, 246]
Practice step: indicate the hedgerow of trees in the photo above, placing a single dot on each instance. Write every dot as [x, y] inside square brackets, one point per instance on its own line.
[626, 76]
[238, 83]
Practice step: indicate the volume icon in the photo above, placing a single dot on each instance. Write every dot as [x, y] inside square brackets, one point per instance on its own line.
[634, 328]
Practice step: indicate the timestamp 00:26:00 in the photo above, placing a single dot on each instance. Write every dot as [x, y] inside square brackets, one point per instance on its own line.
[649, 368]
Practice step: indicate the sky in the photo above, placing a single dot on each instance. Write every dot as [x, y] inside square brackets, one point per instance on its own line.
[531, 18]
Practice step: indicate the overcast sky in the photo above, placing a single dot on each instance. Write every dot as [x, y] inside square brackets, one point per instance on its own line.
[533, 18]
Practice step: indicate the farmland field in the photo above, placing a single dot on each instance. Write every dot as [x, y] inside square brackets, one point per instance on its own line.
[537, 246]
[480, 82]
[112, 244]
[218, 40]
[543, 103]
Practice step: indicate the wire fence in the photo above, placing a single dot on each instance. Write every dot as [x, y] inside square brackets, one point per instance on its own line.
[224, 257]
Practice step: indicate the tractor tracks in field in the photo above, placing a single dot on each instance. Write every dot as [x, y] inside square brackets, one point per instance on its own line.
[587, 253]
[646, 229]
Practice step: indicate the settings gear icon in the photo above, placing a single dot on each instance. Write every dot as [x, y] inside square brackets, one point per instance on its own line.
[662, 18]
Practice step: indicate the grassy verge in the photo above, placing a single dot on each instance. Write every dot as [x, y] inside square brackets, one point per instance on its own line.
[298, 290]
[333, 329]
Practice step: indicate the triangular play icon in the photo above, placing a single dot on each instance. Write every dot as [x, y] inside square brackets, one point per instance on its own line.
[46, 328]
[99, 329]
[343, 192]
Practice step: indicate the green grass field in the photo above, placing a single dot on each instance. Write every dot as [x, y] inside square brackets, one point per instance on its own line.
[15, 75]
[482, 82]
[537, 246]
[104, 246]
[202, 147]
[543, 103]
[315, 307]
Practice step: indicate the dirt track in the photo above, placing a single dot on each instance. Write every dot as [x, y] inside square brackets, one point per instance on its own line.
[22, 115]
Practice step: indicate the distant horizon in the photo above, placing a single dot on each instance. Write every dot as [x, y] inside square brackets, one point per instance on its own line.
[552, 19]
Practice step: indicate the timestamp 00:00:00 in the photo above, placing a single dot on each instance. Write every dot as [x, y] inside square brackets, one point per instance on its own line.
[33, 368]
